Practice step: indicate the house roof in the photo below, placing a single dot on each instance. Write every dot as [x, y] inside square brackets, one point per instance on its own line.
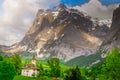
[29, 66]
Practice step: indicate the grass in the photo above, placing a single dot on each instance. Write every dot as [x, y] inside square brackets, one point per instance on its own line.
[23, 78]
[30, 78]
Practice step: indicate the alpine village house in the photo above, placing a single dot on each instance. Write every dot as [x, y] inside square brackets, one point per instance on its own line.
[30, 70]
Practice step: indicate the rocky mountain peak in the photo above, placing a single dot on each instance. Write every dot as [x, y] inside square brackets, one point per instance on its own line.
[63, 32]
[115, 23]
[113, 36]
[115, 27]
[60, 7]
[116, 14]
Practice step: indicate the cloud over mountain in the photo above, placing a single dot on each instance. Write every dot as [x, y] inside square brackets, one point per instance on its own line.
[96, 9]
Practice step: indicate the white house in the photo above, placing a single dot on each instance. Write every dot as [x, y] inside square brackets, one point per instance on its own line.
[30, 70]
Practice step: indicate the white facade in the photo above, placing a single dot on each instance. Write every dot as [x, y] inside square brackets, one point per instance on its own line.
[29, 72]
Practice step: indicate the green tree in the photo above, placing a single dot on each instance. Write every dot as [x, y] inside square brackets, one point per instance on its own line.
[109, 69]
[94, 72]
[54, 65]
[111, 66]
[1, 58]
[7, 70]
[16, 59]
[73, 74]
[41, 70]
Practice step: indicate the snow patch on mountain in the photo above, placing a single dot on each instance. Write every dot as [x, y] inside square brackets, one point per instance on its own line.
[96, 21]
[101, 22]
[55, 14]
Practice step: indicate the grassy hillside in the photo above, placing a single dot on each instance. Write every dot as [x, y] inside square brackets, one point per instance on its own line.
[85, 60]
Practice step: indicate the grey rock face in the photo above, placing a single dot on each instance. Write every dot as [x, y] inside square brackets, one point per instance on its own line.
[64, 33]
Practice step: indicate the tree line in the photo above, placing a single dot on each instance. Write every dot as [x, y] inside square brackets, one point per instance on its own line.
[109, 69]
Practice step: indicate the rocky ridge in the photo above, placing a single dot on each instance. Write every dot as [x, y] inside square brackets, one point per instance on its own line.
[63, 32]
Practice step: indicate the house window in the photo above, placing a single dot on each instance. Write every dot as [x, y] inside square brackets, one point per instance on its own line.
[27, 71]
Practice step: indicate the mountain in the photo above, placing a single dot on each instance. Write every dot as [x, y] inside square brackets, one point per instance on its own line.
[113, 35]
[65, 33]
[111, 41]
[2, 46]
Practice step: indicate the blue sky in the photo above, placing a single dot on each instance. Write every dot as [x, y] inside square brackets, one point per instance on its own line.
[74, 2]
[109, 2]
[80, 2]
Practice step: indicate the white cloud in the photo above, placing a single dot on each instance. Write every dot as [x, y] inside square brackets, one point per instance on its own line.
[18, 17]
[96, 9]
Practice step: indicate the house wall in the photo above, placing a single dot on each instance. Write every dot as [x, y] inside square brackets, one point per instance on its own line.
[29, 72]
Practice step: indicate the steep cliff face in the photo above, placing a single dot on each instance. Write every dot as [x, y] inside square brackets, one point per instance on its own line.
[116, 25]
[113, 36]
[64, 33]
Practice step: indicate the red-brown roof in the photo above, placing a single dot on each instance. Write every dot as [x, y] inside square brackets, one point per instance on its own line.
[29, 66]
